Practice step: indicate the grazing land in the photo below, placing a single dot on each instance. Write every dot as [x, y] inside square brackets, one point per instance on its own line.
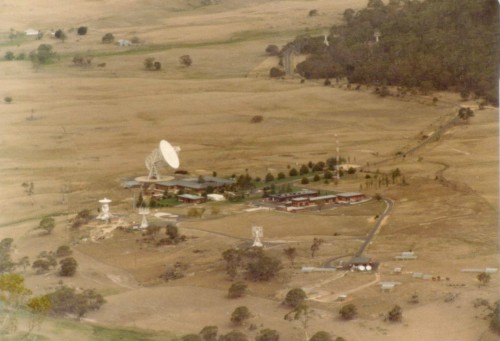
[76, 132]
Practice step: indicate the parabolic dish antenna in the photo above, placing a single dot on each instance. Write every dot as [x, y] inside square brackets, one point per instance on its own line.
[165, 154]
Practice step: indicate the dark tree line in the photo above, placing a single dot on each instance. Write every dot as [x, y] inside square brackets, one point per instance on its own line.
[432, 45]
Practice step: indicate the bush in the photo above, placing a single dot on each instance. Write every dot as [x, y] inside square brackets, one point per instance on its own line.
[108, 38]
[9, 55]
[240, 314]
[281, 176]
[316, 177]
[294, 298]
[495, 318]
[313, 12]
[47, 224]
[185, 60]
[321, 336]
[267, 335]
[63, 251]
[276, 73]
[209, 333]
[269, 177]
[264, 268]
[304, 181]
[191, 337]
[68, 267]
[351, 170]
[237, 289]
[233, 336]
[395, 314]
[348, 312]
[257, 119]
[272, 50]
[7, 99]
[82, 30]
[293, 172]
[66, 300]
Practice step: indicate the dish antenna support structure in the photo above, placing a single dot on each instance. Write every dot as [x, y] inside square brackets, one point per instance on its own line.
[257, 233]
[144, 211]
[165, 154]
[104, 213]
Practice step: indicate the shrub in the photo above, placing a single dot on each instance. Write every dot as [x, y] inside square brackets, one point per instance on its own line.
[495, 318]
[313, 12]
[316, 177]
[237, 289]
[108, 38]
[233, 336]
[9, 55]
[185, 60]
[321, 336]
[209, 333]
[7, 99]
[191, 337]
[272, 50]
[281, 176]
[47, 224]
[395, 314]
[63, 251]
[293, 172]
[269, 177]
[264, 268]
[304, 181]
[68, 267]
[351, 170]
[348, 312]
[240, 314]
[267, 335]
[295, 297]
[276, 73]
[257, 119]
[82, 30]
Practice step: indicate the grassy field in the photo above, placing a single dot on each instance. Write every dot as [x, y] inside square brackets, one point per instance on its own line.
[76, 132]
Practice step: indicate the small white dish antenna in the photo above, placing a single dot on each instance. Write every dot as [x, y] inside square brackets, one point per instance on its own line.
[257, 233]
[361, 268]
[368, 268]
[164, 154]
[104, 213]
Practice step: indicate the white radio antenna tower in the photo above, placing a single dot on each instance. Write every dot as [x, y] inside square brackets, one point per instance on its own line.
[144, 211]
[257, 233]
[337, 175]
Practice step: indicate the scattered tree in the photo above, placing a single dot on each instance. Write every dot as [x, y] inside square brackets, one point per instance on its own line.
[9, 55]
[348, 312]
[304, 181]
[108, 38]
[257, 119]
[269, 177]
[44, 54]
[272, 50]
[315, 246]
[185, 60]
[7, 99]
[240, 314]
[276, 73]
[295, 297]
[395, 314]
[313, 12]
[63, 251]
[293, 172]
[304, 170]
[47, 224]
[233, 336]
[465, 114]
[290, 253]
[321, 336]
[301, 314]
[191, 337]
[233, 260]
[68, 267]
[66, 300]
[263, 268]
[495, 318]
[24, 262]
[237, 289]
[82, 30]
[483, 278]
[267, 335]
[209, 333]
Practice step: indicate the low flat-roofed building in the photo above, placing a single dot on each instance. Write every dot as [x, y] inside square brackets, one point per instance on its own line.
[324, 199]
[300, 201]
[350, 197]
[283, 197]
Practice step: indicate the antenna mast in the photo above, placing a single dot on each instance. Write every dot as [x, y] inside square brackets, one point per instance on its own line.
[337, 164]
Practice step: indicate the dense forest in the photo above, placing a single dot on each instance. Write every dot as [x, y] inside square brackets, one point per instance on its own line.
[428, 45]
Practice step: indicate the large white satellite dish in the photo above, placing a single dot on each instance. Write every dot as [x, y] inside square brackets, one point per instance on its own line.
[164, 154]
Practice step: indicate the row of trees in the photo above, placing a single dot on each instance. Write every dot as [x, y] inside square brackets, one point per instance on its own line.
[441, 45]
[152, 64]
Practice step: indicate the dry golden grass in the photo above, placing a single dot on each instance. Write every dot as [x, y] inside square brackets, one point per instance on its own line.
[93, 126]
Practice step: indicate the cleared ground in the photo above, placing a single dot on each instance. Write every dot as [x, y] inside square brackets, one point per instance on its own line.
[76, 132]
